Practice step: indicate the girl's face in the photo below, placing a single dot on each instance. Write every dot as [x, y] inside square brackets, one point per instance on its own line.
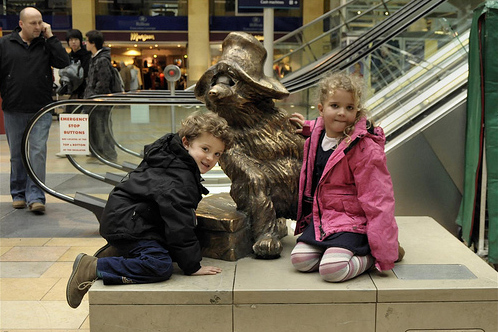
[338, 112]
[206, 150]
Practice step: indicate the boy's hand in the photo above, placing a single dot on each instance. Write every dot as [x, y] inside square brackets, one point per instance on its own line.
[207, 270]
[297, 119]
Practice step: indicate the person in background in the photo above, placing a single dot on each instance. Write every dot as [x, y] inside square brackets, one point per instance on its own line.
[79, 53]
[136, 76]
[27, 56]
[99, 82]
[125, 73]
[149, 220]
[346, 199]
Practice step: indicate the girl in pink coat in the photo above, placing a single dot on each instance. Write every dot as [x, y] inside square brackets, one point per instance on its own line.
[346, 199]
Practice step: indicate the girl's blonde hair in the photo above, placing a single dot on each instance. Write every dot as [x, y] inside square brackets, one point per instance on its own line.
[198, 123]
[348, 82]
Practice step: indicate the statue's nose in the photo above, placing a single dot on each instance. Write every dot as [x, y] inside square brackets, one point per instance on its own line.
[220, 91]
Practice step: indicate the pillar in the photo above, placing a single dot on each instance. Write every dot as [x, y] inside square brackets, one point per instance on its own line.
[199, 55]
[312, 10]
[83, 12]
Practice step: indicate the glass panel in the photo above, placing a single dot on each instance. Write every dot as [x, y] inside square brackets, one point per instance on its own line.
[142, 7]
[330, 32]
[132, 126]
[228, 8]
[50, 7]
[413, 71]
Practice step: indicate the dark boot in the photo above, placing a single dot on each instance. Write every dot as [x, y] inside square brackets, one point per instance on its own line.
[82, 278]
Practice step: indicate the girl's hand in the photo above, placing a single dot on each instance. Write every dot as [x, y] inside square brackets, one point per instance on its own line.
[297, 119]
[207, 270]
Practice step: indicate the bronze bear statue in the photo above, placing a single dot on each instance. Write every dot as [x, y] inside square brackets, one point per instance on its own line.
[265, 160]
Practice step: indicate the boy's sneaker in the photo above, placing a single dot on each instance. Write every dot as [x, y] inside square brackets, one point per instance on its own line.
[82, 278]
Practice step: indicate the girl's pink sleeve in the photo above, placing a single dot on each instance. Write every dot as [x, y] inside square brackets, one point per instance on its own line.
[376, 196]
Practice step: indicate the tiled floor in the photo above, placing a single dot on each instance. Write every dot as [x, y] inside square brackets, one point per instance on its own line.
[34, 270]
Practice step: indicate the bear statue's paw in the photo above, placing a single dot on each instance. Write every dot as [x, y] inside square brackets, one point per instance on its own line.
[267, 248]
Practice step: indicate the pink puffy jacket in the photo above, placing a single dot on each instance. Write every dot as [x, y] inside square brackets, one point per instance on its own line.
[355, 193]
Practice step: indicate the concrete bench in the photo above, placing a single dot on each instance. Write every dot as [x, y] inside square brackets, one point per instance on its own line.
[440, 285]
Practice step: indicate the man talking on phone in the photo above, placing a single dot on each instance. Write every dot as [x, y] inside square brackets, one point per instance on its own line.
[26, 58]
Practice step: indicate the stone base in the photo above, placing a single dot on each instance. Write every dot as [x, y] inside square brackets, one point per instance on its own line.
[224, 232]
[270, 295]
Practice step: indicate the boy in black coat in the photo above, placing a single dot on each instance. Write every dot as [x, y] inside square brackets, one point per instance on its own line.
[149, 219]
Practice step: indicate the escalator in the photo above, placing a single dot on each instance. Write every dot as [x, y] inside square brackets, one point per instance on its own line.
[141, 117]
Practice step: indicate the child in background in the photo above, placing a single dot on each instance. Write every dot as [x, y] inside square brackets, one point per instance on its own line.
[346, 199]
[149, 219]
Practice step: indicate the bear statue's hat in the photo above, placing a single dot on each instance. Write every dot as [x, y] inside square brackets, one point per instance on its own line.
[246, 56]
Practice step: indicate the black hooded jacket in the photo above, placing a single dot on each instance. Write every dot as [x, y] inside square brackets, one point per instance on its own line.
[26, 79]
[83, 56]
[158, 201]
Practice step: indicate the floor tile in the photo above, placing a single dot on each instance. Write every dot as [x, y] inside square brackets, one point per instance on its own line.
[3, 250]
[23, 242]
[76, 242]
[30, 315]
[25, 289]
[58, 292]
[73, 252]
[33, 254]
[58, 270]
[23, 269]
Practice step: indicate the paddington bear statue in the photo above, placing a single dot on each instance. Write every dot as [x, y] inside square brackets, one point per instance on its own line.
[265, 161]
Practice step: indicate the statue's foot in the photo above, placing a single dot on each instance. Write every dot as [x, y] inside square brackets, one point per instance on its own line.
[267, 248]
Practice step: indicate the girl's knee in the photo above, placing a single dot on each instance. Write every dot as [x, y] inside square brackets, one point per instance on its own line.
[305, 263]
[305, 258]
[337, 272]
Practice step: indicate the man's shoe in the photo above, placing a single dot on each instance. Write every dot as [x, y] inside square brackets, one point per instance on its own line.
[82, 278]
[107, 251]
[37, 208]
[19, 204]
[93, 161]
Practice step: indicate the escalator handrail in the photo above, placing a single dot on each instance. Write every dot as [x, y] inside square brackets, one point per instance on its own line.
[310, 75]
[304, 45]
[60, 103]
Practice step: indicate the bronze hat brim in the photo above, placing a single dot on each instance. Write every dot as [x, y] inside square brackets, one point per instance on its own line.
[269, 86]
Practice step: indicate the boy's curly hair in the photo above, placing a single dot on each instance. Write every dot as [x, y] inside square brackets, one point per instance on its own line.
[351, 83]
[206, 122]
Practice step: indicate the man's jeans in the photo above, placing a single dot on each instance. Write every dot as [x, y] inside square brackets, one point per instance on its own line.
[22, 188]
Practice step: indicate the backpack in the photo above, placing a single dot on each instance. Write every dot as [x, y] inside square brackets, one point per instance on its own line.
[117, 84]
[71, 78]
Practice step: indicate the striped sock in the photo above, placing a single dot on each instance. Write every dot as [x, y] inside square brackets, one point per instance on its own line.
[339, 264]
[305, 257]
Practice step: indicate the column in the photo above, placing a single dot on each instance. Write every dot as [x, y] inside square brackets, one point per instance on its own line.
[312, 10]
[83, 12]
[199, 55]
